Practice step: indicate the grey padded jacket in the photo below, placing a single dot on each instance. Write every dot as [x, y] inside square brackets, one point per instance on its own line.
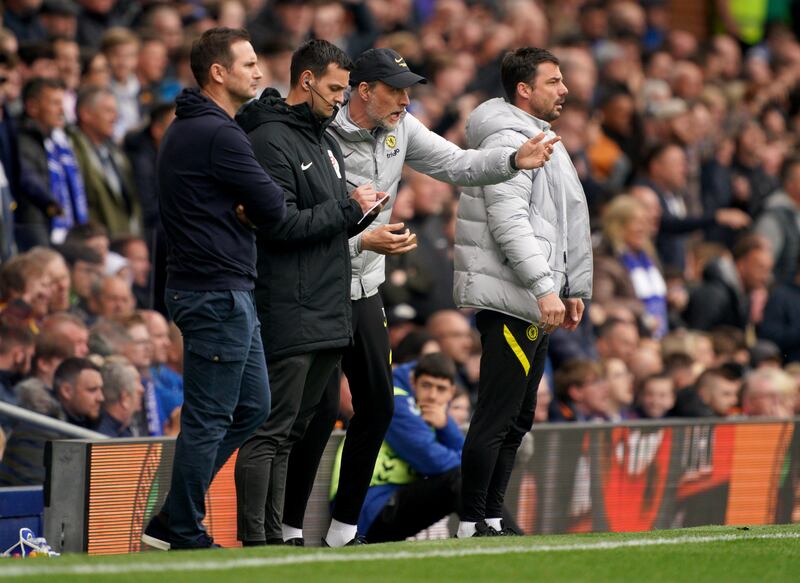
[378, 157]
[522, 239]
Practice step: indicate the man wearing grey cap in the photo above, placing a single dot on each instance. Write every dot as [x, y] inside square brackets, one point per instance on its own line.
[378, 137]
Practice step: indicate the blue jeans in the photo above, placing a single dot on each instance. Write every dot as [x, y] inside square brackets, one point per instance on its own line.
[226, 398]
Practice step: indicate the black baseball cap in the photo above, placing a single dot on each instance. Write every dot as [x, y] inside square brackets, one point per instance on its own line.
[384, 65]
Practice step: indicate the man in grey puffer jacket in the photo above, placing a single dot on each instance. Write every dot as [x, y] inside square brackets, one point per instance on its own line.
[377, 137]
[523, 258]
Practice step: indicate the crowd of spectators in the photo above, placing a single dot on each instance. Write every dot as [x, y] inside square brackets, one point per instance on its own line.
[686, 147]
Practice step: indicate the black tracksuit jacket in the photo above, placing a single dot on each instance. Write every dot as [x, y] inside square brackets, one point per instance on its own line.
[303, 285]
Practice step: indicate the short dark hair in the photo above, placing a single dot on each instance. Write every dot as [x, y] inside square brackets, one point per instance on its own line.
[74, 252]
[78, 234]
[607, 327]
[410, 346]
[657, 151]
[36, 86]
[120, 244]
[214, 47]
[659, 376]
[315, 56]
[30, 52]
[573, 373]
[160, 111]
[15, 333]
[520, 66]
[8, 59]
[69, 370]
[748, 243]
[676, 361]
[51, 344]
[710, 375]
[436, 365]
[787, 167]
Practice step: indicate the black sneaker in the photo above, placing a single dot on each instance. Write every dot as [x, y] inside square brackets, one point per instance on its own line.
[358, 540]
[156, 534]
[295, 542]
[483, 529]
[506, 531]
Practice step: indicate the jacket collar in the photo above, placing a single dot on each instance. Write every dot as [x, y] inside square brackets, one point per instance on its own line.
[532, 119]
[349, 130]
[271, 107]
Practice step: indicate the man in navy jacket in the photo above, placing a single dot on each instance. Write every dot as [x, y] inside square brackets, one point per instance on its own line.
[210, 184]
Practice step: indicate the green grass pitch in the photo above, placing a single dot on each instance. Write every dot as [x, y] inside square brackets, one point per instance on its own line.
[698, 555]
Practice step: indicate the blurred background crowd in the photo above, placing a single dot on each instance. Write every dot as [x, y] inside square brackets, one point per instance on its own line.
[683, 121]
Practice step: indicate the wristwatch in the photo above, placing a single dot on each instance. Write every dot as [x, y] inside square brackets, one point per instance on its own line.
[512, 160]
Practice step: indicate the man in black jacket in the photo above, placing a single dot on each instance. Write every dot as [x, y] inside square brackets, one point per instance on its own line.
[303, 286]
[734, 289]
[21, 185]
[208, 176]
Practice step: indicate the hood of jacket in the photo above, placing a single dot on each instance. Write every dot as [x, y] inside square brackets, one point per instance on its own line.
[495, 116]
[272, 108]
[192, 103]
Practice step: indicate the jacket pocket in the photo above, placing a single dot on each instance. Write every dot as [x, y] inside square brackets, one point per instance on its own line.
[546, 234]
[547, 248]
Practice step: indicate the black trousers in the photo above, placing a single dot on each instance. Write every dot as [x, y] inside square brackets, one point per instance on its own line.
[307, 453]
[512, 364]
[416, 506]
[367, 366]
[419, 505]
[297, 384]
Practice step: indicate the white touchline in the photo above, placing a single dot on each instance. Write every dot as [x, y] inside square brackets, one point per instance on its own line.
[328, 557]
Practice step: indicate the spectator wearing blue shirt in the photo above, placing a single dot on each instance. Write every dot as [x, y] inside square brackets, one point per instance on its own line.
[417, 475]
[168, 384]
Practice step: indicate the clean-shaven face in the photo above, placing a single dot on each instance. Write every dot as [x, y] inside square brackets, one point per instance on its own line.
[328, 90]
[242, 78]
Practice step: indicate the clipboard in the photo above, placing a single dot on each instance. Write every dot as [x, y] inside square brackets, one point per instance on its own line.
[371, 211]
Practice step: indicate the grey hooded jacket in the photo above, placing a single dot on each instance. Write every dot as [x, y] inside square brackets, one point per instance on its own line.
[779, 222]
[520, 240]
[378, 157]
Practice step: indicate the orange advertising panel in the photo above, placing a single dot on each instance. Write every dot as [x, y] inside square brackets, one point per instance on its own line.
[577, 478]
[128, 484]
[758, 462]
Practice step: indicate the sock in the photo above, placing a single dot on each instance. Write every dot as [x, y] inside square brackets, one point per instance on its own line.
[290, 532]
[339, 533]
[495, 523]
[465, 529]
